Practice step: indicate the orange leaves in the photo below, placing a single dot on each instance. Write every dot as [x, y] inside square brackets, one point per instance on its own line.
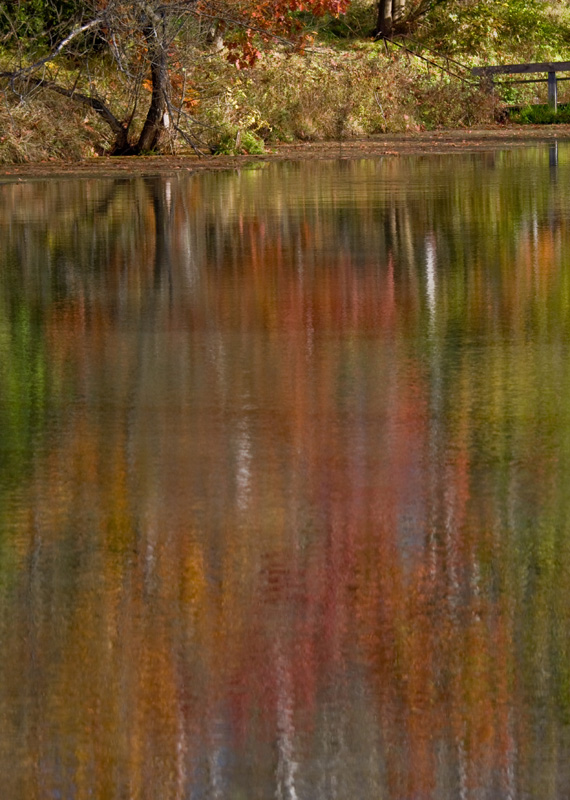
[243, 53]
[270, 19]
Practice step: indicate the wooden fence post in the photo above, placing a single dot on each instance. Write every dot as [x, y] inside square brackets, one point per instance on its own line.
[552, 92]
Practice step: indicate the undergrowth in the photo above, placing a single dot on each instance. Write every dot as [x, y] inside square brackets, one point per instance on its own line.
[329, 93]
[47, 127]
[487, 31]
[541, 115]
[336, 93]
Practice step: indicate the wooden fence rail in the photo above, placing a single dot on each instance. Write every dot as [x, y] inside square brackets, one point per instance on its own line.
[549, 67]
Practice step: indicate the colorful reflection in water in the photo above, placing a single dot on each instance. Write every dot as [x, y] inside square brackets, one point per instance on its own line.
[284, 482]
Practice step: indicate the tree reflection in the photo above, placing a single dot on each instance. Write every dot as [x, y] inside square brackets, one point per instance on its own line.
[293, 515]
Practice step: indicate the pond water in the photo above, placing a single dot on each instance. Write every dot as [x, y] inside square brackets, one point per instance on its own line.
[285, 482]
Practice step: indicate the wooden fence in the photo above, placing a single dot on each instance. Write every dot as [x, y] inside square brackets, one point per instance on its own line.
[548, 67]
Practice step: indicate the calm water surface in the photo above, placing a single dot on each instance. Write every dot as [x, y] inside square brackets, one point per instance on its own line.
[285, 482]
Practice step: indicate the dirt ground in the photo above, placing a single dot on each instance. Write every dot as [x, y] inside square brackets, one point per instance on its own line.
[491, 138]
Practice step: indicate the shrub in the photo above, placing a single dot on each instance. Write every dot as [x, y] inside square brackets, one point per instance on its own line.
[530, 29]
[239, 142]
[335, 94]
[541, 115]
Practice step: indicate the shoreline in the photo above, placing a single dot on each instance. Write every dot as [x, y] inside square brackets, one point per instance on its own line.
[440, 142]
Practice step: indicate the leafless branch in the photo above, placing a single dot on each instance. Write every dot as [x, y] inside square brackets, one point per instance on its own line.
[61, 46]
[94, 103]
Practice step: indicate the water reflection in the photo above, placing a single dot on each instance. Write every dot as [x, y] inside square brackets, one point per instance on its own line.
[553, 153]
[283, 475]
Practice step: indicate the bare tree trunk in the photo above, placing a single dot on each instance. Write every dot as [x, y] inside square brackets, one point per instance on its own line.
[398, 10]
[390, 13]
[214, 36]
[157, 119]
[384, 21]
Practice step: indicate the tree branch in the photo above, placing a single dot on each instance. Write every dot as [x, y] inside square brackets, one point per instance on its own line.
[94, 103]
[61, 46]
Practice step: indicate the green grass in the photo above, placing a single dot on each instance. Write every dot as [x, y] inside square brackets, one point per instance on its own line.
[541, 115]
[239, 142]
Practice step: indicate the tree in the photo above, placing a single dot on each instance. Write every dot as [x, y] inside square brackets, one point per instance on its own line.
[396, 16]
[153, 45]
[390, 12]
[40, 20]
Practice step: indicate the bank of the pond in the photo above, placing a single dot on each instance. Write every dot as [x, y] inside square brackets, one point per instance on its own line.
[334, 92]
[435, 142]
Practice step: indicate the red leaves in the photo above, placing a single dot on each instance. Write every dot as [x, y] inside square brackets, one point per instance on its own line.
[243, 52]
[272, 18]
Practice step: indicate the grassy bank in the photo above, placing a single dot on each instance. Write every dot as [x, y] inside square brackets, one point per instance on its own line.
[330, 93]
